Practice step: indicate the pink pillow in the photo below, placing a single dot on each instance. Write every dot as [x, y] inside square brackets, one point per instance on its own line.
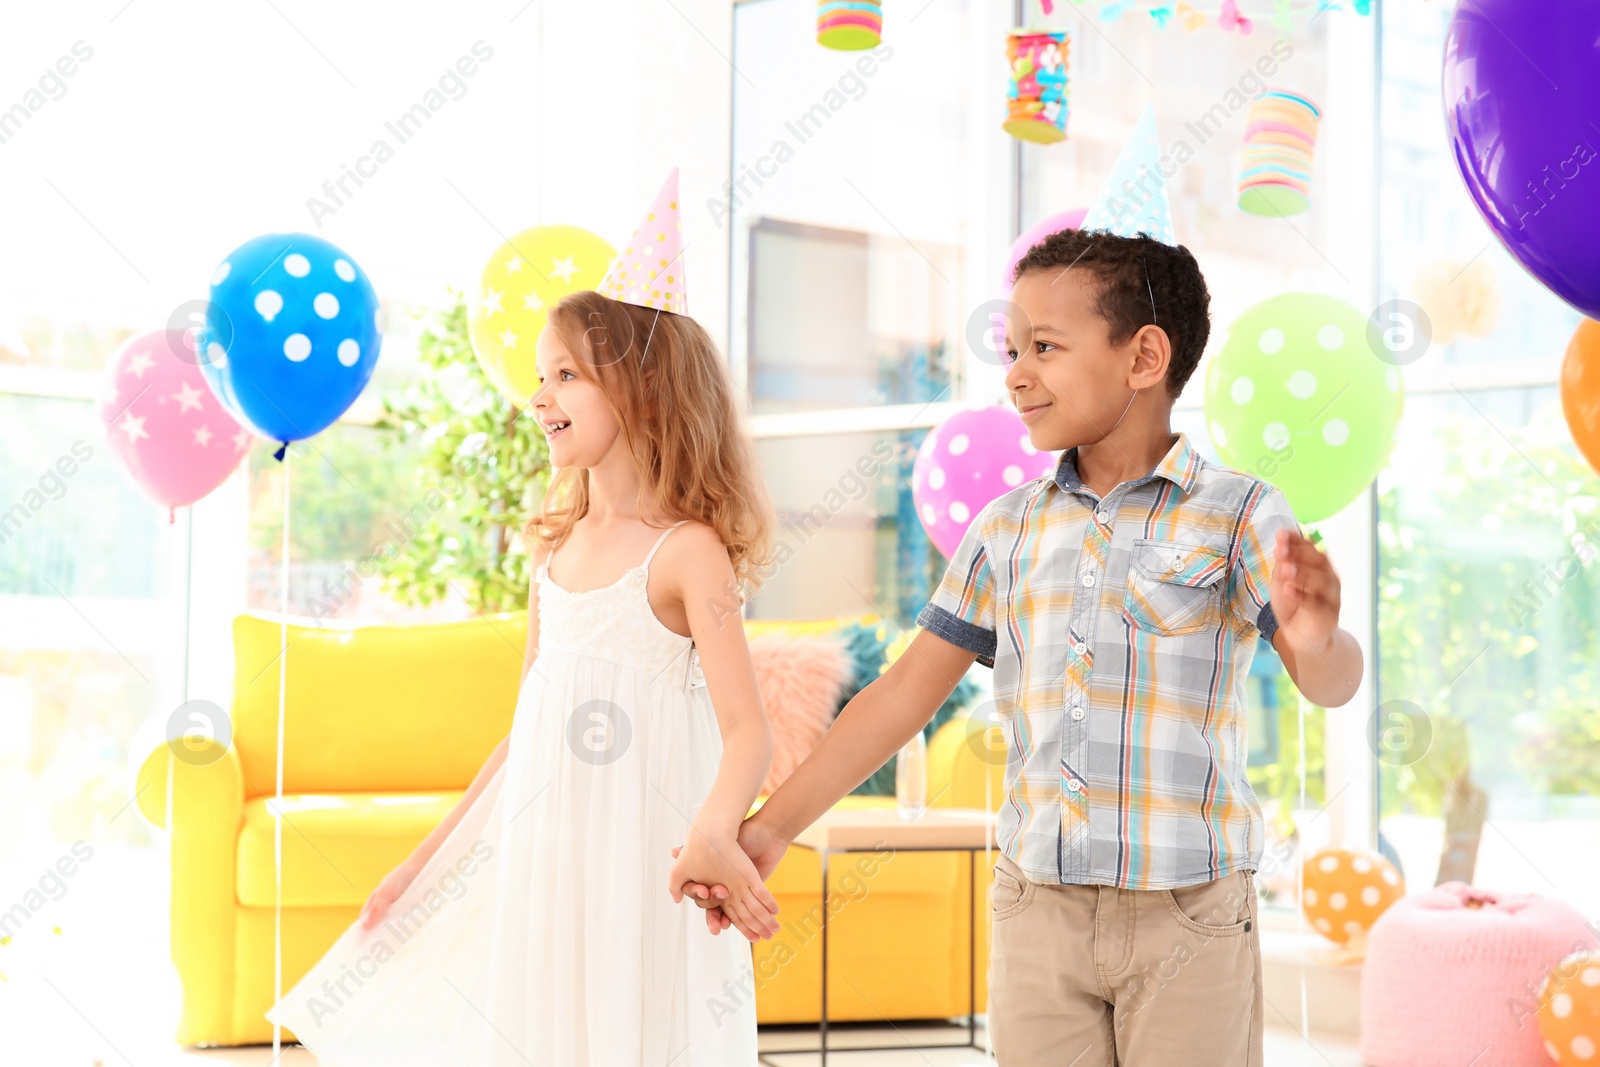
[1452, 973]
[801, 678]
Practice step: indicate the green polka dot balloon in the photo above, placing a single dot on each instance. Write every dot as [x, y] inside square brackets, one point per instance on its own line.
[1296, 396]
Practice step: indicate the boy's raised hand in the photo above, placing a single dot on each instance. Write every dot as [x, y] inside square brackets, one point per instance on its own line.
[1305, 591]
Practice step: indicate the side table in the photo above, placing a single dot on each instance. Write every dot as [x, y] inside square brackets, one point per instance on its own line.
[936, 830]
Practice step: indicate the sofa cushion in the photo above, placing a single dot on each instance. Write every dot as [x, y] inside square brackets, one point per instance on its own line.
[375, 708]
[754, 628]
[336, 847]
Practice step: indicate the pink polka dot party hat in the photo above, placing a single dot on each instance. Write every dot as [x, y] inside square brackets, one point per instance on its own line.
[649, 269]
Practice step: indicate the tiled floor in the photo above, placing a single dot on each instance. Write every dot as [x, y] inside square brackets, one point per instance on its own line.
[1284, 1048]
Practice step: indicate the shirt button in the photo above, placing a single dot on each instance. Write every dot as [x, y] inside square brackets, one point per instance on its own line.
[1177, 563]
[1088, 579]
[1077, 713]
[1072, 784]
[1103, 517]
[1080, 648]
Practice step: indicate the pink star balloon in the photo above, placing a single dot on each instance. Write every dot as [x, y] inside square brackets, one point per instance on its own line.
[164, 424]
[965, 462]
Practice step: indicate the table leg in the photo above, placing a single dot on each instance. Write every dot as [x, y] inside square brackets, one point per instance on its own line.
[972, 951]
[822, 1016]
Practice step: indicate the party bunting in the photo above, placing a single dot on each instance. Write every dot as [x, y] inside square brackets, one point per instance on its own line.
[1235, 16]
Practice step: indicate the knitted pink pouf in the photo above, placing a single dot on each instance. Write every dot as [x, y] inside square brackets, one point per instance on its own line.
[1452, 977]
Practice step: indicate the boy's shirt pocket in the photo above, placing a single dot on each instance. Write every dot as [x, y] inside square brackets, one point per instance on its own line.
[1175, 587]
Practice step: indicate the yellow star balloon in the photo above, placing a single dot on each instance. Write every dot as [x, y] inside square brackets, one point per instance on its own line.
[523, 280]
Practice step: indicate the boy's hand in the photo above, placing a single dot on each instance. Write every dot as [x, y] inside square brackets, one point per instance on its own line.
[744, 900]
[1305, 592]
[764, 848]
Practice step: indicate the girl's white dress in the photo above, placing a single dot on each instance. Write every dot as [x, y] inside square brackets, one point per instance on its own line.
[542, 932]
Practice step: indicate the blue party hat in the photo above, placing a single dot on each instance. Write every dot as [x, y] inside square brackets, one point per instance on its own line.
[1134, 199]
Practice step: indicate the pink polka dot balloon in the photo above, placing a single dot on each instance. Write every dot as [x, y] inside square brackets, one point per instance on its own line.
[1066, 220]
[965, 462]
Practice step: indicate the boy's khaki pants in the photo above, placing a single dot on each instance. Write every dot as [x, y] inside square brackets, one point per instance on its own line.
[1096, 976]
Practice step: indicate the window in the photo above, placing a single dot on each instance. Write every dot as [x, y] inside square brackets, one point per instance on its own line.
[92, 591]
[1487, 729]
[852, 247]
[846, 517]
[1490, 695]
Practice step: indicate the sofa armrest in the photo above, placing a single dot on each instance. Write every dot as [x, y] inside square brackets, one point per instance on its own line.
[148, 757]
[967, 764]
[207, 805]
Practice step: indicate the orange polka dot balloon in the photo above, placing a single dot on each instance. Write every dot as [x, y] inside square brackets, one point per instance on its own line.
[1345, 890]
[1569, 1010]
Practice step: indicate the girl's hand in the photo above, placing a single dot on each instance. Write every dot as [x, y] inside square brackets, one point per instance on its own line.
[710, 899]
[704, 862]
[765, 850]
[394, 883]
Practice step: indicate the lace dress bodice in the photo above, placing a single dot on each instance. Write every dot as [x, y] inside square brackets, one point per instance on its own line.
[616, 623]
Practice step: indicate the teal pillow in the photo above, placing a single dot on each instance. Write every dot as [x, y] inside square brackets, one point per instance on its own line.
[868, 651]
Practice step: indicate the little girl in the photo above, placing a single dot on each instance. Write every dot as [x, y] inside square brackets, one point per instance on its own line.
[543, 922]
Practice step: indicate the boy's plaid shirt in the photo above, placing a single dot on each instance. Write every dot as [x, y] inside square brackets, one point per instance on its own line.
[1121, 632]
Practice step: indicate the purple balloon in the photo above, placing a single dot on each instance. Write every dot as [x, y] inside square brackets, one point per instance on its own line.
[1066, 220]
[964, 463]
[1522, 106]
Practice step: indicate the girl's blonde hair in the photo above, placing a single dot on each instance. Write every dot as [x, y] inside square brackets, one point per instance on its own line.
[682, 423]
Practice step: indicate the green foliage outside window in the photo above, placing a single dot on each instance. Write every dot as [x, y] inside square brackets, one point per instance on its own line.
[1487, 611]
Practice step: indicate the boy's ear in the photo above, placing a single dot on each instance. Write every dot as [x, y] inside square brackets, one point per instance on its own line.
[1152, 357]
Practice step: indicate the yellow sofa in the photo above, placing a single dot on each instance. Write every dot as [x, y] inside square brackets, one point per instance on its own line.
[385, 727]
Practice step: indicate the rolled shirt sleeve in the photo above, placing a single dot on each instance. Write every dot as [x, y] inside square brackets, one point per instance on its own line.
[1266, 511]
[962, 609]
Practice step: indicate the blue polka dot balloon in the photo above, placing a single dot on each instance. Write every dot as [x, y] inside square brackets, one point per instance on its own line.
[291, 336]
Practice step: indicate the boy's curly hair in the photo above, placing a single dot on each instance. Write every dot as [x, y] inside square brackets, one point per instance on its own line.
[1121, 264]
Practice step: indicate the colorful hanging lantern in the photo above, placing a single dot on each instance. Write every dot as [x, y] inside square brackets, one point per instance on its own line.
[849, 25]
[1275, 173]
[1036, 100]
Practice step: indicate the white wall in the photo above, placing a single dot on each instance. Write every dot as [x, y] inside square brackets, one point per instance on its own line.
[192, 127]
[187, 128]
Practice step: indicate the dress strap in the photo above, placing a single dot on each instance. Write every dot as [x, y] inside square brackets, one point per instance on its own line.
[646, 564]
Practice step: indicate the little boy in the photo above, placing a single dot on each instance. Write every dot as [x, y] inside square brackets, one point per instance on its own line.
[1118, 602]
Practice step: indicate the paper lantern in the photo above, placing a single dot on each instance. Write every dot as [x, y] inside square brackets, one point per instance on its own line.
[1036, 100]
[849, 25]
[1275, 174]
[1344, 891]
[1569, 1009]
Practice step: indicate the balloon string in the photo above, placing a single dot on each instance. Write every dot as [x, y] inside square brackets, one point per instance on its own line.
[277, 814]
[1300, 875]
[988, 865]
